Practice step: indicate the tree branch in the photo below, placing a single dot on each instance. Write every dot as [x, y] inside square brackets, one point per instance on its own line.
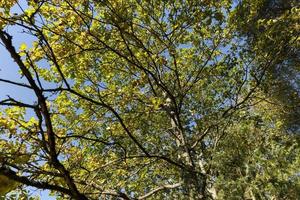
[163, 187]
[24, 180]
[7, 41]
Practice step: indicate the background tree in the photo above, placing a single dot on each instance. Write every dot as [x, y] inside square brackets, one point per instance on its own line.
[269, 24]
[153, 99]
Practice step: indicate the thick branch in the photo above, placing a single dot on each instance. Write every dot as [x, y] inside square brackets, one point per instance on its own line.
[7, 41]
[24, 180]
[163, 187]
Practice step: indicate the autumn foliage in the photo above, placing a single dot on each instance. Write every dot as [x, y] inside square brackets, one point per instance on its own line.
[158, 99]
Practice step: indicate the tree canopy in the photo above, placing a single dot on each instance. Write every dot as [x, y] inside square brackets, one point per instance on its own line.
[153, 99]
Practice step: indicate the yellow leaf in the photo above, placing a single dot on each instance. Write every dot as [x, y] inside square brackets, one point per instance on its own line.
[6, 185]
[23, 47]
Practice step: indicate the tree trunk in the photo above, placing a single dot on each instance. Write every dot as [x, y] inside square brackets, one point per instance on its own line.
[194, 185]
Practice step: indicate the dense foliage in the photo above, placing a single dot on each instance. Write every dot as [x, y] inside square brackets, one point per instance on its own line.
[158, 99]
